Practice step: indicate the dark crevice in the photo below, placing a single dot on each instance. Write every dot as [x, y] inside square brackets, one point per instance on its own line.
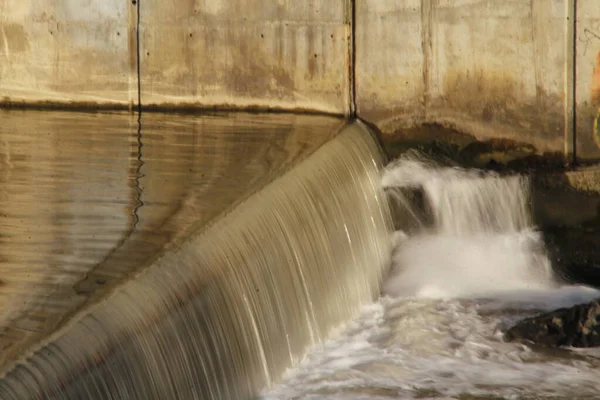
[426, 46]
[138, 59]
[574, 88]
[352, 49]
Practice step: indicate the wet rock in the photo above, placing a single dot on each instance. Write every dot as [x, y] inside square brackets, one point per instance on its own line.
[433, 140]
[551, 161]
[577, 326]
[575, 253]
[410, 209]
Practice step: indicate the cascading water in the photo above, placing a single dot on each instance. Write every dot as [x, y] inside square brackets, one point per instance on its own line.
[228, 306]
[468, 262]
[224, 311]
[481, 240]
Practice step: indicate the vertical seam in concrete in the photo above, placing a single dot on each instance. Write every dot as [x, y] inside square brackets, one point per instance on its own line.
[426, 45]
[574, 104]
[139, 61]
[538, 51]
[352, 58]
[570, 83]
[131, 52]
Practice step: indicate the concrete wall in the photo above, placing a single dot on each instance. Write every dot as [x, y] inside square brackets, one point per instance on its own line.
[285, 54]
[493, 68]
[291, 54]
[588, 77]
[489, 68]
[483, 67]
[67, 51]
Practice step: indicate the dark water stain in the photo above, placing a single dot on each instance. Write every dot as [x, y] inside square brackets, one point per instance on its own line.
[17, 39]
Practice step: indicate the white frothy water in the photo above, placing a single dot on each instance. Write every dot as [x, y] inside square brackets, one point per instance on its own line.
[465, 201]
[481, 242]
[479, 265]
[453, 287]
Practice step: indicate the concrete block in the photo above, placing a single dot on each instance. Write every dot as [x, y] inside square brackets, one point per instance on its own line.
[588, 79]
[500, 66]
[59, 51]
[246, 54]
[389, 59]
[489, 68]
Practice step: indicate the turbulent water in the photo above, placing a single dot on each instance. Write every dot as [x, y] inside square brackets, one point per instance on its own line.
[470, 266]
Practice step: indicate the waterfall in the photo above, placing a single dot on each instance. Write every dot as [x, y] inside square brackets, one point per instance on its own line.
[473, 235]
[226, 310]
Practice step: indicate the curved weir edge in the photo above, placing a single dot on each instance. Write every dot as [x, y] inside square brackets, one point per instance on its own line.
[223, 314]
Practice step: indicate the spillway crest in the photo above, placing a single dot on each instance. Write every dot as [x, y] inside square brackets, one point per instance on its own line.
[225, 311]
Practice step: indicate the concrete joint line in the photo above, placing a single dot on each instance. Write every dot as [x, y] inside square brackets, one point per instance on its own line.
[574, 80]
[352, 59]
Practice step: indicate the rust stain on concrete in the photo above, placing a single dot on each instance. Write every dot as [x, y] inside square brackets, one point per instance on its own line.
[595, 87]
[16, 37]
[485, 92]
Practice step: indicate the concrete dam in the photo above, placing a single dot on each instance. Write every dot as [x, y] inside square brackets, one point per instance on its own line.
[239, 199]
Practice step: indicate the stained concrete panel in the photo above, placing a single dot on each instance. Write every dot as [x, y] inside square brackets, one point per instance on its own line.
[389, 59]
[588, 79]
[67, 51]
[246, 54]
[486, 67]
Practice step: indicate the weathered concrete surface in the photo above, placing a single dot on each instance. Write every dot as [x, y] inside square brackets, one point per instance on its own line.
[286, 54]
[195, 54]
[389, 59]
[67, 51]
[484, 67]
[588, 78]
[488, 68]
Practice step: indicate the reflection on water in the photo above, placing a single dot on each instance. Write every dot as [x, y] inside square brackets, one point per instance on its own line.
[87, 199]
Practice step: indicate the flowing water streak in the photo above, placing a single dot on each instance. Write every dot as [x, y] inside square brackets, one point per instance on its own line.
[224, 312]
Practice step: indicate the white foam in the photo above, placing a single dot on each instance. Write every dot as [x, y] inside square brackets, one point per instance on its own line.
[451, 290]
[482, 241]
[406, 347]
[447, 266]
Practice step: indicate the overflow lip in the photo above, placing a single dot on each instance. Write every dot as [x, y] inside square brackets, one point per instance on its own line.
[377, 135]
[172, 108]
